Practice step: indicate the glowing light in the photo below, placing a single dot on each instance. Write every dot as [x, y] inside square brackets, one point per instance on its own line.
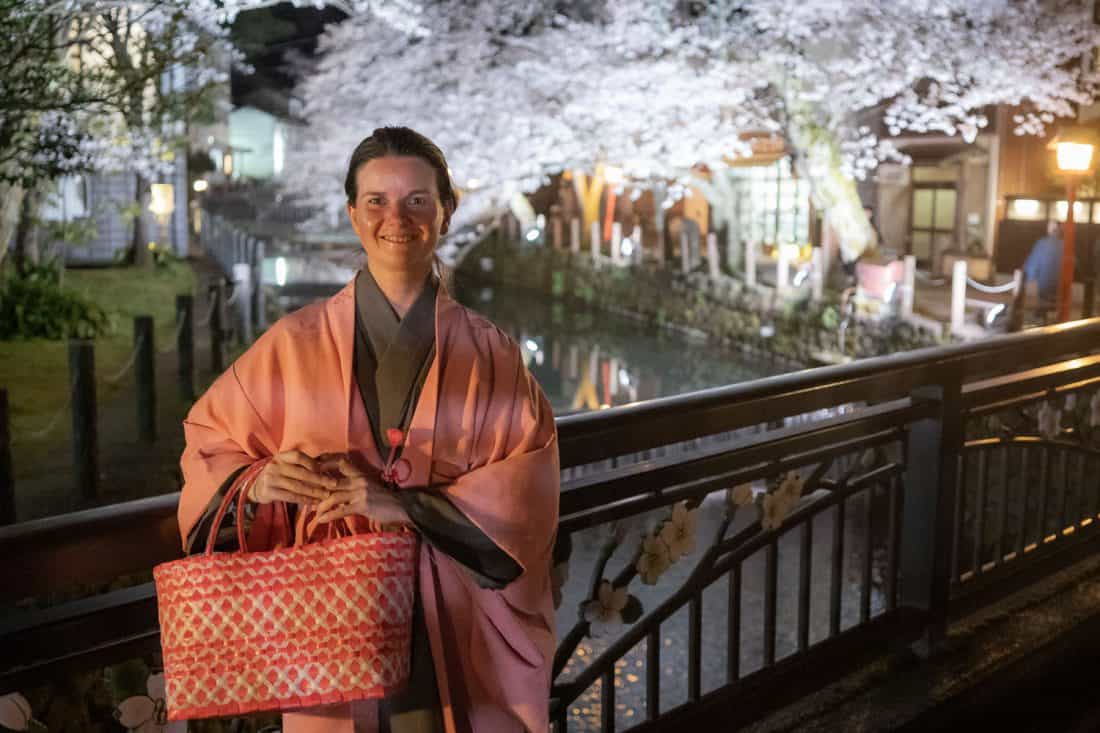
[532, 235]
[162, 199]
[200, 185]
[280, 271]
[624, 378]
[531, 345]
[1075, 157]
[790, 251]
[1028, 209]
[992, 313]
[627, 247]
[767, 331]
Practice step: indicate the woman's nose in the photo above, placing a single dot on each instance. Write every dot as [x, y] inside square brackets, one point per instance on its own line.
[398, 210]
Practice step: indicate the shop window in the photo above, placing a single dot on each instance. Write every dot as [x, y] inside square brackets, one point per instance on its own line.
[68, 201]
[933, 220]
[772, 205]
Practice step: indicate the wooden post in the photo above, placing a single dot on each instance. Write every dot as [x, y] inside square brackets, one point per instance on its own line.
[617, 242]
[259, 305]
[185, 345]
[782, 270]
[145, 379]
[575, 235]
[685, 245]
[958, 296]
[85, 437]
[595, 242]
[637, 238]
[908, 286]
[555, 231]
[242, 290]
[817, 273]
[712, 255]
[217, 297]
[750, 262]
[7, 475]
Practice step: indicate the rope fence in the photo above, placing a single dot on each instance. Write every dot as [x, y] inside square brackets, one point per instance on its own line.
[180, 320]
[209, 314]
[1007, 287]
[117, 377]
[39, 434]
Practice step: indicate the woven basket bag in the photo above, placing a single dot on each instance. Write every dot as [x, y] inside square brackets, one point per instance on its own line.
[294, 627]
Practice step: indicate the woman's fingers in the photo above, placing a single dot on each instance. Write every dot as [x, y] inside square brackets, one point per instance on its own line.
[306, 476]
[274, 494]
[298, 458]
[295, 486]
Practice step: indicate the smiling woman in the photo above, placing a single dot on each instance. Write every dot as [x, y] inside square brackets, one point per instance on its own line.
[393, 367]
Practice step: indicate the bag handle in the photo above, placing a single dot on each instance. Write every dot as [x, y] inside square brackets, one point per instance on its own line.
[240, 490]
[336, 529]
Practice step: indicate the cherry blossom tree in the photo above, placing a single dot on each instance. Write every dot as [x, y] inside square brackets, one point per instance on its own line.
[515, 91]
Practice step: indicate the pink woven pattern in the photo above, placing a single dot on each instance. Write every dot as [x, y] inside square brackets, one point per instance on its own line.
[294, 627]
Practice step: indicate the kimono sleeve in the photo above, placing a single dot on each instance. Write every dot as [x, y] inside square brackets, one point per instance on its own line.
[223, 433]
[511, 491]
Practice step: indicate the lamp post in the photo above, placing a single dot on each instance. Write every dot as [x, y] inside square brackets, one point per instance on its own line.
[1074, 148]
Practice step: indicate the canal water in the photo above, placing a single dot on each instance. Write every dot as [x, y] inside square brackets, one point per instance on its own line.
[586, 359]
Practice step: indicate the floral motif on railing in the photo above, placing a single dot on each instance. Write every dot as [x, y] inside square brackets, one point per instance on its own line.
[1069, 417]
[610, 604]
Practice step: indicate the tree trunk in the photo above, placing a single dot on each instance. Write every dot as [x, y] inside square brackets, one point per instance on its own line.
[11, 203]
[23, 232]
[819, 162]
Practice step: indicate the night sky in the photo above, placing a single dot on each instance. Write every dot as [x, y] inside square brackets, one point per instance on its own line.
[265, 35]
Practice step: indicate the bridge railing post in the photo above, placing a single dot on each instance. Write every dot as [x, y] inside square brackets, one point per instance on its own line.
[931, 483]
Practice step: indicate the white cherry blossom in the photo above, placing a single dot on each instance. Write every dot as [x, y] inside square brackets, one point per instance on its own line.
[604, 613]
[147, 713]
[678, 533]
[1050, 421]
[653, 560]
[15, 712]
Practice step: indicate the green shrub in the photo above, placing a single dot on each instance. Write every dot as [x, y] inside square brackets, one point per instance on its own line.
[37, 306]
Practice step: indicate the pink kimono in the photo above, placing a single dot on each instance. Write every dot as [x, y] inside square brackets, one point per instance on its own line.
[482, 433]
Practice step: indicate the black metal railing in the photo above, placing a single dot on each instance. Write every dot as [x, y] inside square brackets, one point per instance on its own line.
[902, 508]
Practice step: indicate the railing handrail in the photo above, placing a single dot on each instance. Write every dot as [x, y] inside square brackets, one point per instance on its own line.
[127, 529]
[578, 432]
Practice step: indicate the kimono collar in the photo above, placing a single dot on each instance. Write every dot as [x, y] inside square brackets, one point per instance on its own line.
[394, 355]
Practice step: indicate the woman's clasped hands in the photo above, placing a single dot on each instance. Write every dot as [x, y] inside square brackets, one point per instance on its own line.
[331, 485]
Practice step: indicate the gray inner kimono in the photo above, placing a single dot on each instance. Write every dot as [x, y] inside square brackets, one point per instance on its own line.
[392, 358]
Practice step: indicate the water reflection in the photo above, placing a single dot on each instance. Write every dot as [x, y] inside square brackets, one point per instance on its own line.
[587, 360]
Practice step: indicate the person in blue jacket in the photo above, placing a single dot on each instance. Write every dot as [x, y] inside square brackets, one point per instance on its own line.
[1044, 263]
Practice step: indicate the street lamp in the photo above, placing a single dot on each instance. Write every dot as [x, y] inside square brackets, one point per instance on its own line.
[1074, 152]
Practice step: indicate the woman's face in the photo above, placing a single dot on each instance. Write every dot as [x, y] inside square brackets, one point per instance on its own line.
[398, 214]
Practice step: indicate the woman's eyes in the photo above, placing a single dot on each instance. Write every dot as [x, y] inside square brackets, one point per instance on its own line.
[413, 201]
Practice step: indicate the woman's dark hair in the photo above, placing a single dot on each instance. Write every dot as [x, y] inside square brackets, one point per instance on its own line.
[401, 141]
